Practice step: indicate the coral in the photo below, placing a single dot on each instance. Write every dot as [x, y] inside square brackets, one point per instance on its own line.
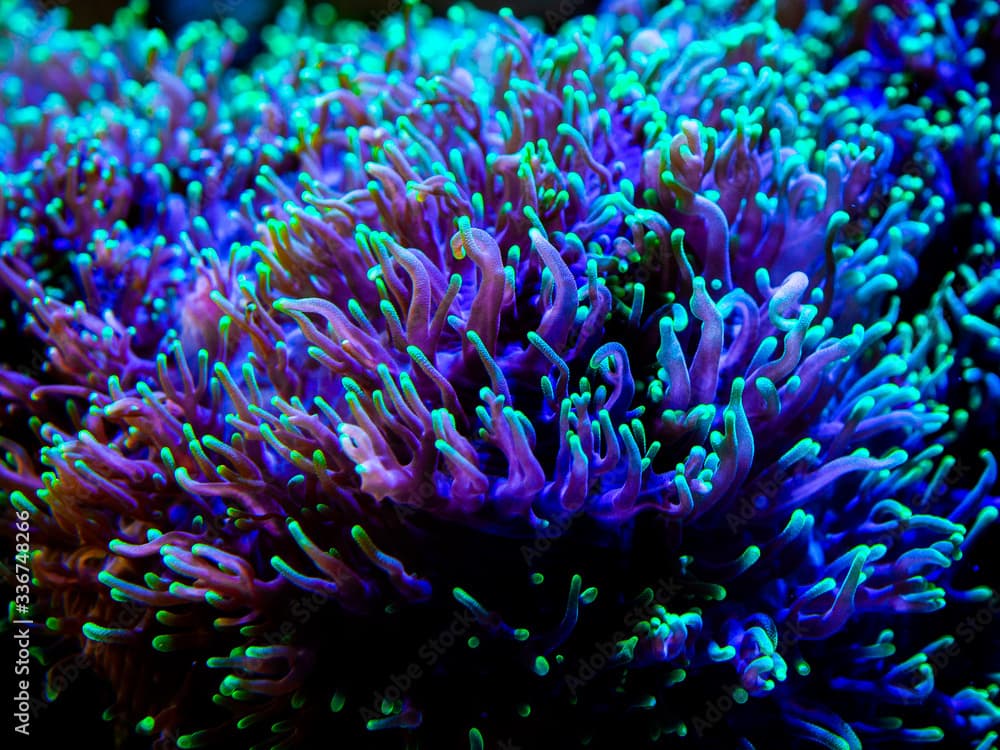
[590, 352]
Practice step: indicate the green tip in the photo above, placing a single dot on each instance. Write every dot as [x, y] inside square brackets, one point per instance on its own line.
[247, 721]
[95, 632]
[146, 725]
[163, 643]
[337, 702]
[195, 739]
[475, 739]
[541, 666]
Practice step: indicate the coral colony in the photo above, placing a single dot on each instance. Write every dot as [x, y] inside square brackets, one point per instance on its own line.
[455, 385]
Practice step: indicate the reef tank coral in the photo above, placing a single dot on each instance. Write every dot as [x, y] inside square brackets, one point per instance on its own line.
[455, 384]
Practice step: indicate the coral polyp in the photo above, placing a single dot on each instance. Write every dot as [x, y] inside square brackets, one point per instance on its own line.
[455, 384]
